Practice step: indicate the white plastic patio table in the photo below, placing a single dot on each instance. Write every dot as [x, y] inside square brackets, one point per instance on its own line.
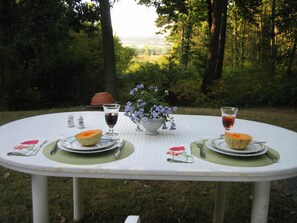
[148, 161]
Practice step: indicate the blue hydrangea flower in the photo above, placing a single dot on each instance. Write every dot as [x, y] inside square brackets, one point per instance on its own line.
[148, 104]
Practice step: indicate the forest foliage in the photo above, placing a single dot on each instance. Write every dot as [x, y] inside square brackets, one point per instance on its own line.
[51, 54]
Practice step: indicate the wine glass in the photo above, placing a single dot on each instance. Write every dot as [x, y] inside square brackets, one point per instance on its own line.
[228, 117]
[111, 112]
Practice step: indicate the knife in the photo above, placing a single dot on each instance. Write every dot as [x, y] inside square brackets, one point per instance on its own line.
[272, 157]
[55, 148]
[171, 160]
[119, 148]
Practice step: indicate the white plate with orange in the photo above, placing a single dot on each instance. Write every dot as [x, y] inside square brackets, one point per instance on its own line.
[70, 144]
[219, 145]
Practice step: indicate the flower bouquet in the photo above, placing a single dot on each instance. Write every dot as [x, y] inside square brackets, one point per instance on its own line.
[148, 105]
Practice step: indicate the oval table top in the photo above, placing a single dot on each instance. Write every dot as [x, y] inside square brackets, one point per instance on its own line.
[148, 161]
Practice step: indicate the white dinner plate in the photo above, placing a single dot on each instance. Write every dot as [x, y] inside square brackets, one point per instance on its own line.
[70, 144]
[215, 149]
[222, 145]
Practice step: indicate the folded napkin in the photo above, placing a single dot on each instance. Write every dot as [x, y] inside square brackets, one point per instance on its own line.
[179, 154]
[28, 147]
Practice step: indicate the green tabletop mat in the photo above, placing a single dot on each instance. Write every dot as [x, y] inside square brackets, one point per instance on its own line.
[87, 159]
[251, 161]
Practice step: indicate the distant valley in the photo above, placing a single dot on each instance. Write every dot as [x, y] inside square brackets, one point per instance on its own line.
[144, 41]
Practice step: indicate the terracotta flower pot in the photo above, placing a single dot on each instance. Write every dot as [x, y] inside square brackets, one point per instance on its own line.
[101, 98]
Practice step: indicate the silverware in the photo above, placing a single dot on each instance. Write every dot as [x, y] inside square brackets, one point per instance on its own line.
[15, 153]
[36, 151]
[272, 157]
[66, 144]
[258, 142]
[200, 146]
[108, 139]
[176, 161]
[55, 148]
[119, 149]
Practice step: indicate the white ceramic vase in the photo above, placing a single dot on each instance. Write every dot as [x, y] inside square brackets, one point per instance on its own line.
[151, 126]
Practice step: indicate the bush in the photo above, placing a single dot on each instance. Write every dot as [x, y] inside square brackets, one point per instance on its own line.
[255, 89]
[187, 92]
[248, 88]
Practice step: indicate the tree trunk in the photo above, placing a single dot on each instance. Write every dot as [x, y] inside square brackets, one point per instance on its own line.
[209, 13]
[212, 58]
[182, 43]
[236, 44]
[272, 34]
[187, 30]
[265, 40]
[108, 49]
[243, 41]
[292, 56]
[220, 62]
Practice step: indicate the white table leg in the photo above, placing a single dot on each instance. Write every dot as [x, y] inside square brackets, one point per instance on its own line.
[78, 205]
[260, 202]
[40, 199]
[219, 208]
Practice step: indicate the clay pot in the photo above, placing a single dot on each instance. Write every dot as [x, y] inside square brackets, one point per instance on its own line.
[102, 98]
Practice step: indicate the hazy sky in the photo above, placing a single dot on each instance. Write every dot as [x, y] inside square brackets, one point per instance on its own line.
[130, 19]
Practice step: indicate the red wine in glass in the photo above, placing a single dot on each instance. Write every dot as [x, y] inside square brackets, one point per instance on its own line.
[111, 112]
[111, 119]
[228, 122]
[228, 116]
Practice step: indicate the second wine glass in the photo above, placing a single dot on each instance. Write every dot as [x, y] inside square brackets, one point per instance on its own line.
[228, 117]
[111, 112]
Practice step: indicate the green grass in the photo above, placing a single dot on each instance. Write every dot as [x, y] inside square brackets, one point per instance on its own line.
[111, 201]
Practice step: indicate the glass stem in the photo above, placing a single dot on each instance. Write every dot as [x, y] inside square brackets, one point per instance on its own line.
[138, 128]
[110, 130]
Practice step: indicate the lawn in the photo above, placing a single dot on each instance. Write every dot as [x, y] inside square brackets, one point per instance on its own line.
[110, 201]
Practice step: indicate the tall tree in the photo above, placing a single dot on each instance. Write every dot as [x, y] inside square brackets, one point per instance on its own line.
[286, 25]
[108, 49]
[219, 66]
[292, 56]
[212, 58]
[272, 36]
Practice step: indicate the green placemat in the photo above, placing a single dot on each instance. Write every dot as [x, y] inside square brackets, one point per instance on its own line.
[251, 161]
[87, 159]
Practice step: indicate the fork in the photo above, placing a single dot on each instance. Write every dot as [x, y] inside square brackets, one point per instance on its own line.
[200, 146]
